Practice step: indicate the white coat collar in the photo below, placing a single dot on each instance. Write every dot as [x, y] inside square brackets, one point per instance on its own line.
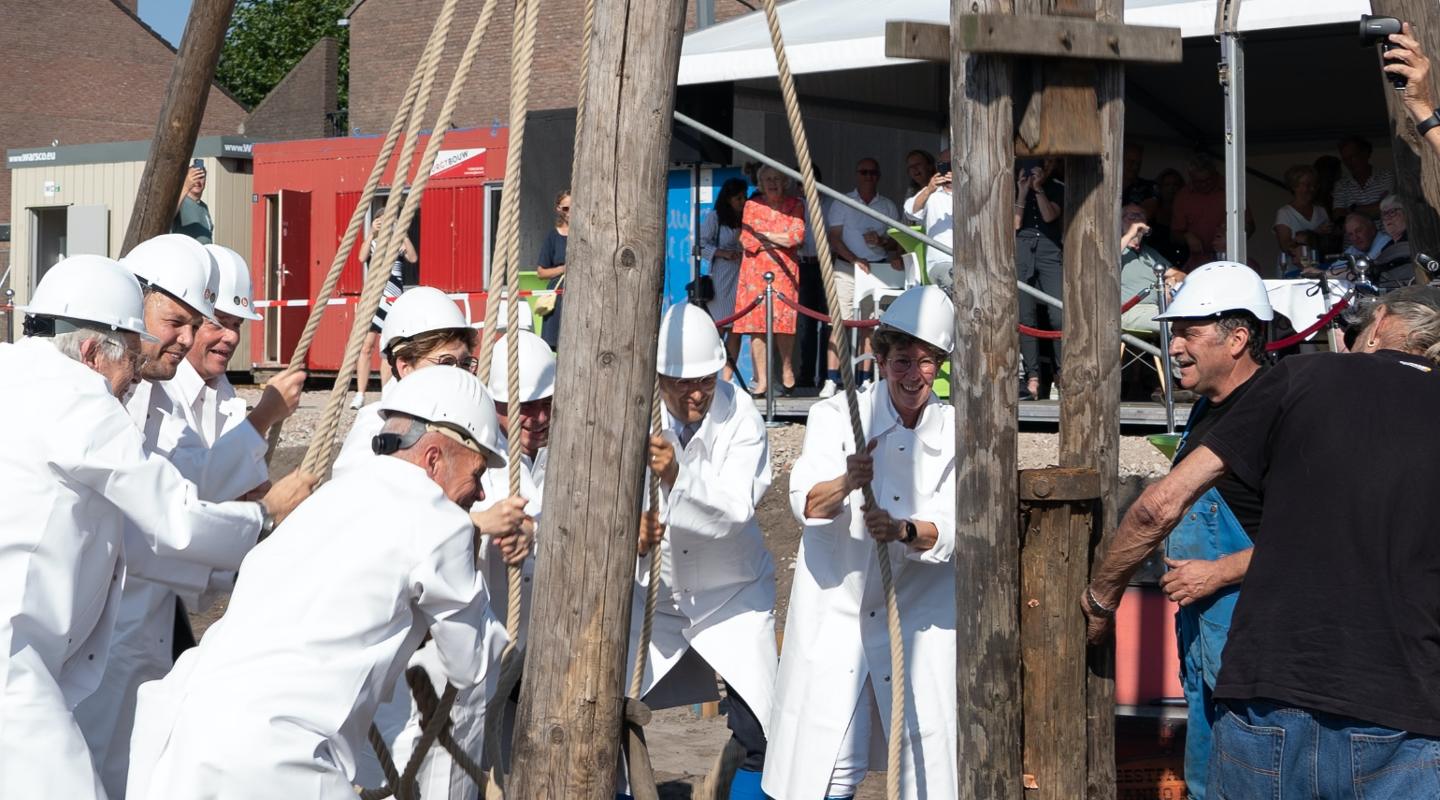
[930, 430]
[187, 383]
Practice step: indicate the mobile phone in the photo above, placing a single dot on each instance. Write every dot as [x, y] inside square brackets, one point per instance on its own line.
[198, 163]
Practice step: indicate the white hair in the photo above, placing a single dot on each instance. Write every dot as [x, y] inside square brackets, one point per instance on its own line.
[112, 347]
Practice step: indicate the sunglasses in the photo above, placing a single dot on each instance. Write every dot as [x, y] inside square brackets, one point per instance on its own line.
[875, 172]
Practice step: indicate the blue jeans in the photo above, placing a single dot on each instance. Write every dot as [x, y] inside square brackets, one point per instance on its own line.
[1264, 750]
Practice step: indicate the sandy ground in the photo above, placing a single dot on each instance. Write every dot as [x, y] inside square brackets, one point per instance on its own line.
[684, 745]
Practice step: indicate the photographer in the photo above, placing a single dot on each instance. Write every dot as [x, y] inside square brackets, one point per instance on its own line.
[1407, 59]
[934, 206]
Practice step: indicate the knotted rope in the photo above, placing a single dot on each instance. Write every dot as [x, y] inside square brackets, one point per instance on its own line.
[847, 374]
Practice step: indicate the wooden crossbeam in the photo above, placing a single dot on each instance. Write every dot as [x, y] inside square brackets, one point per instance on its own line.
[1035, 37]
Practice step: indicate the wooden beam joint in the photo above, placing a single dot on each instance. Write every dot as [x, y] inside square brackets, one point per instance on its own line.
[1027, 35]
[1059, 485]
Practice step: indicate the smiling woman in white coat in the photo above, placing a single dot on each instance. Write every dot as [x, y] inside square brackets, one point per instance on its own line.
[715, 612]
[832, 698]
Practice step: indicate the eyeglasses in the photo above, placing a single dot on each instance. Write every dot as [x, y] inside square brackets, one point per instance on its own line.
[691, 384]
[470, 364]
[874, 172]
[902, 365]
[1393, 212]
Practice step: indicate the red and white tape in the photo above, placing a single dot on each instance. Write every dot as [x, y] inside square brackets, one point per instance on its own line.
[464, 297]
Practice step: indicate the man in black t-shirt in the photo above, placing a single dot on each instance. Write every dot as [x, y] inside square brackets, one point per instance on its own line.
[1331, 676]
[1217, 340]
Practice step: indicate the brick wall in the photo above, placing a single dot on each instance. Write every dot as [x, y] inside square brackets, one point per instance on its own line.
[386, 37]
[297, 107]
[85, 71]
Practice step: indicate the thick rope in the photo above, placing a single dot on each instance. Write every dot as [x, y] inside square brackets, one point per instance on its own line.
[357, 221]
[652, 590]
[526, 23]
[322, 445]
[847, 373]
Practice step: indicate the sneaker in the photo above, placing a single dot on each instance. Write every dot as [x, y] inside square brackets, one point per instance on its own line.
[828, 389]
[357, 402]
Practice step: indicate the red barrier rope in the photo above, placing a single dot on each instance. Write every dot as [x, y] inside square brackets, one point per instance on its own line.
[1129, 304]
[720, 323]
[1038, 333]
[1289, 341]
[816, 315]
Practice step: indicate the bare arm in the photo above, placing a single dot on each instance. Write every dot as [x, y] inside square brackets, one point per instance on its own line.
[546, 273]
[1146, 524]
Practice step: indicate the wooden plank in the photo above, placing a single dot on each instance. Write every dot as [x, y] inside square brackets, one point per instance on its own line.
[1059, 484]
[1062, 119]
[1054, 567]
[987, 558]
[568, 728]
[1417, 167]
[179, 123]
[1033, 37]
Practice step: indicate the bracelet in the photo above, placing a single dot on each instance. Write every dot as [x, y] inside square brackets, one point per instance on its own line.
[1019, 205]
[1095, 607]
[1424, 126]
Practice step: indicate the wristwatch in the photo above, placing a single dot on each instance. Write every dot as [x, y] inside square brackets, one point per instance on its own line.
[1095, 607]
[1423, 126]
[910, 532]
[267, 522]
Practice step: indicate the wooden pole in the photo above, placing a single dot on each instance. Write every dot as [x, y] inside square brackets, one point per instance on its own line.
[983, 389]
[1090, 395]
[1417, 167]
[571, 708]
[180, 118]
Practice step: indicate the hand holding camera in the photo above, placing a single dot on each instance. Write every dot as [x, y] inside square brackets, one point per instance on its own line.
[1408, 69]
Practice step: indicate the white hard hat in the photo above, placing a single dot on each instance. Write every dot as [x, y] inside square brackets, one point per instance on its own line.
[537, 369]
[180, 266]
[924, 312]
[232, 294]
[420, 310]
[690, 347]
[452, 398]
[91, 289]
[502, 317]
[1218, 287]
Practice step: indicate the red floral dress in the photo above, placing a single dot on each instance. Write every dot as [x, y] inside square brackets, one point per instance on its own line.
[761, 256]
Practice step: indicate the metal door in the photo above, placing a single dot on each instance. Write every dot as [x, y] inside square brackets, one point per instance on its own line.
[293, 268]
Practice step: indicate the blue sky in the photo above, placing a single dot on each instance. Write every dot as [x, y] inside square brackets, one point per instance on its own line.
[167, 17]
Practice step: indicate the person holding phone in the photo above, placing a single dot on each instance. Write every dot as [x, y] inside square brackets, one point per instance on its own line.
[1038, 257]
[934, 206]
[192, 216]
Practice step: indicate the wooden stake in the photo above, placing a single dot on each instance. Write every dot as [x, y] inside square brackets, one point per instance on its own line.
[983, 389]
[1417, 167]
[180, 118]
[572, 702]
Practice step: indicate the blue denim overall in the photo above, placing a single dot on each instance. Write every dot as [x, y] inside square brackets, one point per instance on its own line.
[1208, 531]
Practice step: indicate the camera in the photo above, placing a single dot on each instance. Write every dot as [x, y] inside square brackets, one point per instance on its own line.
[1377, 30]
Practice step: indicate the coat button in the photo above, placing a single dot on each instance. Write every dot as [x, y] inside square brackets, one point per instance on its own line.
[902, 448]
[896, 498]
[685, 552]
[872, 613]
[887, 678]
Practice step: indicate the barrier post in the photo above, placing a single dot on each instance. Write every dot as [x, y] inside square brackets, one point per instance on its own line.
[1168, 378]
[769, 349]
[10, 315]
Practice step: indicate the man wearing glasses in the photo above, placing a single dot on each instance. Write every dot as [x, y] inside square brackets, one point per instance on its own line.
[715, 612]
[858, 240]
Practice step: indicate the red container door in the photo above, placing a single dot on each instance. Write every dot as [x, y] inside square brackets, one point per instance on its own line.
[351, 280]
[294, 283]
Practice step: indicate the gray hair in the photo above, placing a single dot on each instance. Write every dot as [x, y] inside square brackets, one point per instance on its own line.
[1418, 308]
[410, 429]
[112, 347]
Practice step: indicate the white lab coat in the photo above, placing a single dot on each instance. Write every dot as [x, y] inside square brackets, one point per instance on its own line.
[836, 637]
[717, 590]
[398, 718]
[74, 472]
[142, 646]
[277, 699]
[357, 448]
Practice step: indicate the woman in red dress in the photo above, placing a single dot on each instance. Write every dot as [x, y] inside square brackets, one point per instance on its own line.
[771, 229]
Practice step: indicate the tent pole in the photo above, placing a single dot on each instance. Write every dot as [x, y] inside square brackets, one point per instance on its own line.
[1232, 81]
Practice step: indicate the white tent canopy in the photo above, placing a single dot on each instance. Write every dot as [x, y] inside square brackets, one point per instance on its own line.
[829, 35]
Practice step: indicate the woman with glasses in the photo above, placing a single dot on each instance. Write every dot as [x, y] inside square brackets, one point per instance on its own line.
[833, 693]
[550, 266]
[424, 328]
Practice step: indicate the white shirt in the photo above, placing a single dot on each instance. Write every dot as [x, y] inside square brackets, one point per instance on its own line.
[939, 219]
[855, 225]
[717, 591]
[368, 422]
[1290, 218]
[211, 408]
[77, 461]
[836, 637]
[275, 700]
